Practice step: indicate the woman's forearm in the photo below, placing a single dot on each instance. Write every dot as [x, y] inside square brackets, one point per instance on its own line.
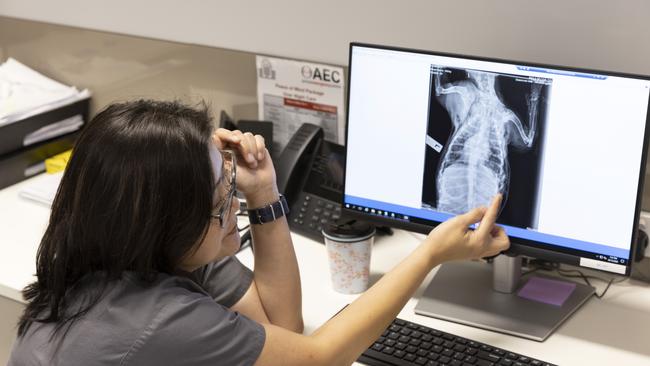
[276, 271]
[343, 338]
[354, 328]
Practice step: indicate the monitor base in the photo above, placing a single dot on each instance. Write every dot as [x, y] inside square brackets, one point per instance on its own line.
[462, 292]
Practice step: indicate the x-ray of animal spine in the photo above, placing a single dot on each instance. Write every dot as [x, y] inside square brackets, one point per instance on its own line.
[484, 137]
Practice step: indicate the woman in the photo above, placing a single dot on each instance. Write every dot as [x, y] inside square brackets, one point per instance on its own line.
[136, 266]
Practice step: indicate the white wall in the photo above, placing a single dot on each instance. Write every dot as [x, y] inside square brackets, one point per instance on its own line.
[602, 34]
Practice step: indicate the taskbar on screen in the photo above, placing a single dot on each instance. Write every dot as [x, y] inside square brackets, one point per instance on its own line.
[609, 262]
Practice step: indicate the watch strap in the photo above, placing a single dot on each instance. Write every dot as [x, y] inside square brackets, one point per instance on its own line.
[269, 213]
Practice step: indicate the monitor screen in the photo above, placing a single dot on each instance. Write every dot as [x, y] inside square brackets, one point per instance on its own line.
[431, 135]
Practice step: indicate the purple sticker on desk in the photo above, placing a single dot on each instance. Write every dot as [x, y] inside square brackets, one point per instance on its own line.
[547, 291]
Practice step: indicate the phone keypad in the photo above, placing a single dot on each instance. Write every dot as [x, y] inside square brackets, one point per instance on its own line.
[311, 213]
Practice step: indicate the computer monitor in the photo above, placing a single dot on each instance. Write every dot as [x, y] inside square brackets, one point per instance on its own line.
[431, 135]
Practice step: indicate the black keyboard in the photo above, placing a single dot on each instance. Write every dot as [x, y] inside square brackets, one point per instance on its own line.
[405, 343]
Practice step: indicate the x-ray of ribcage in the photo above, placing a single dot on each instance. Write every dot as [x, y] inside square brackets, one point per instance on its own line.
[473, 164]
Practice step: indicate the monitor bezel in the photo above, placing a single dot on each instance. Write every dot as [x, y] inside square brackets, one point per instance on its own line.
[525, 247]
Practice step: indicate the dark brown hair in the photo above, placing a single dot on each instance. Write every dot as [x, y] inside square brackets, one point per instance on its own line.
[136, 196]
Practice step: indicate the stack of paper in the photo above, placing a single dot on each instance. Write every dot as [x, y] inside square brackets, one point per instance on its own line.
[42, 188]
[24, 93]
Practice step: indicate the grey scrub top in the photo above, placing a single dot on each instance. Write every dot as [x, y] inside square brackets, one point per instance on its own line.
[174, 321]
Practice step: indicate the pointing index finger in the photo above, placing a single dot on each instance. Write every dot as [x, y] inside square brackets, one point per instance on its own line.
[490, 217]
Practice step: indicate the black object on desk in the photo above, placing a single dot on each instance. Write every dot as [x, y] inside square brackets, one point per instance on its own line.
[27, 162]
[406, 343]
[25, 144]
[14, 136]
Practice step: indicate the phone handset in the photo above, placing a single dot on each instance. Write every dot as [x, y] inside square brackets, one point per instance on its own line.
[294, 162]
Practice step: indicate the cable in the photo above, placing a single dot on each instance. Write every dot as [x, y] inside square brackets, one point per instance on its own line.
[586, 279]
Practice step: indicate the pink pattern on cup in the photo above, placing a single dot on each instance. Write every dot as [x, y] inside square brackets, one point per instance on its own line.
[349, 265]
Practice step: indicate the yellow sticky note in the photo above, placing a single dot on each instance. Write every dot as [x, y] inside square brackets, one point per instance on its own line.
[57, 162]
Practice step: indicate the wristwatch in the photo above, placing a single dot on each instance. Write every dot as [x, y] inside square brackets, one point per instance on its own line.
[269, 213]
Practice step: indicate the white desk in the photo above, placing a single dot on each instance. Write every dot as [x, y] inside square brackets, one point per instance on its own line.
[613, 331]
[22, 224]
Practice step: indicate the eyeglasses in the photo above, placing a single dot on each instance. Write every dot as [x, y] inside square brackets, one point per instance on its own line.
[229, 173]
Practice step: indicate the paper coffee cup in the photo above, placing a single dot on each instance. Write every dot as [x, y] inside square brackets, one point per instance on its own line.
[349, 247]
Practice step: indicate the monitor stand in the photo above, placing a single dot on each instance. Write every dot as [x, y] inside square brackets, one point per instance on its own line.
[473, 293]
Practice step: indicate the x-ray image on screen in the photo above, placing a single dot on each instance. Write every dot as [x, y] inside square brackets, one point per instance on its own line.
[484, 136]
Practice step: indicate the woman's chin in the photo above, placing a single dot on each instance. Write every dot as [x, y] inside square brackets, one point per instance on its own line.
[234, 241]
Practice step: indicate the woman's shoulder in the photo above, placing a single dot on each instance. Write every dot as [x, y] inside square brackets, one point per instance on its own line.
[135, 292]
[162, 285]
[178, 311]
[130, 314]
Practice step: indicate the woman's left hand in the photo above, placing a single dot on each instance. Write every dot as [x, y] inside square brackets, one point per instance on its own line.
[255, 171]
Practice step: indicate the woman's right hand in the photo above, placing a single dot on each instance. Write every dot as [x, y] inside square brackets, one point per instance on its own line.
[455, 240]
[255, 172]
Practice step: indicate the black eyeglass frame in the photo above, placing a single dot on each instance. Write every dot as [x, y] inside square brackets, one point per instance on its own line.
[223, 211]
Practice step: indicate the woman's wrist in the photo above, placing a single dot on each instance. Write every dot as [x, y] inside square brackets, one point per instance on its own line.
[434, 251]
[262, 197]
